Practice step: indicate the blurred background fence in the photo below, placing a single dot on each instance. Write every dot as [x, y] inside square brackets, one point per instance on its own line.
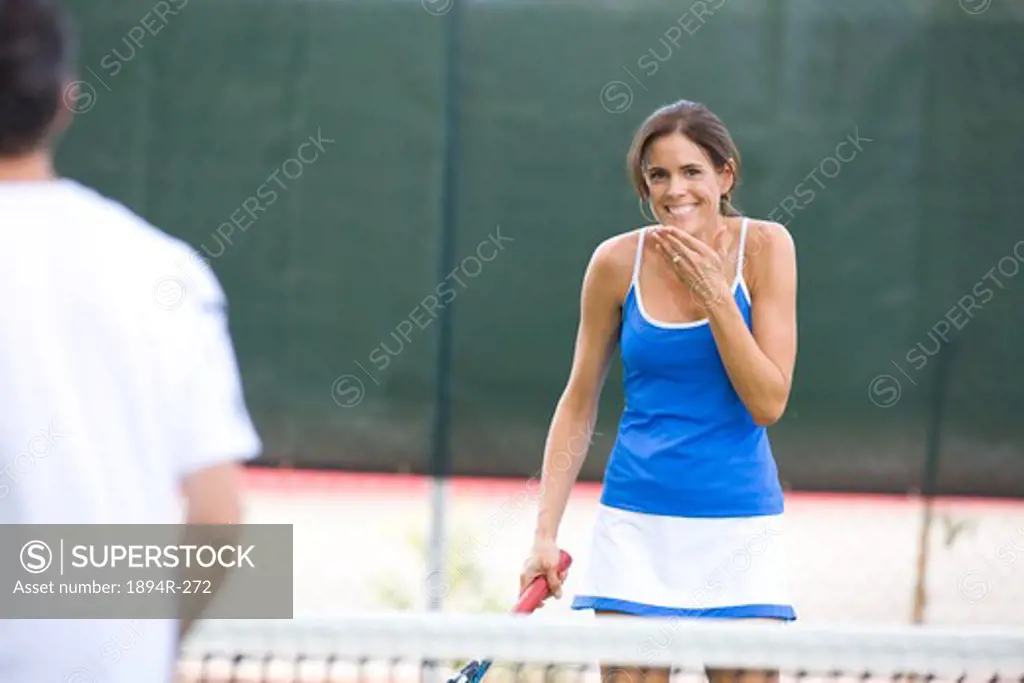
[305, 147]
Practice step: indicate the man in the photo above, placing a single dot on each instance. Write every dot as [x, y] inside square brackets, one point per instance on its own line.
[120, 400]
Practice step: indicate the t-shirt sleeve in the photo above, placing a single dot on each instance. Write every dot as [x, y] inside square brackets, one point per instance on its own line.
[214, 424]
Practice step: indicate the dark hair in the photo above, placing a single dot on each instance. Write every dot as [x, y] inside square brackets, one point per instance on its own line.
[35, 67]
[700, 125]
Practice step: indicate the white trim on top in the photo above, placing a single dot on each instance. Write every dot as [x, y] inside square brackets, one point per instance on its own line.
[738, 282]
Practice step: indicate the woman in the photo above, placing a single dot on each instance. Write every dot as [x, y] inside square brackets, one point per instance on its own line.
[704, 306]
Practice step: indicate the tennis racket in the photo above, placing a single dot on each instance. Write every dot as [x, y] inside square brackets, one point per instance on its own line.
[530, 600]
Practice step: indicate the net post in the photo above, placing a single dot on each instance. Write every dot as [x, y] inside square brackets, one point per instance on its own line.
[440, 461]
[930, 475]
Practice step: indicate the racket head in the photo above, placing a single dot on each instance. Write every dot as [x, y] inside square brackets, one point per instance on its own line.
[473, 672]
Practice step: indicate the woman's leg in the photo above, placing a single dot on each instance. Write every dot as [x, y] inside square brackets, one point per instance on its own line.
[615, 673]
[744, 675]
[633, 674]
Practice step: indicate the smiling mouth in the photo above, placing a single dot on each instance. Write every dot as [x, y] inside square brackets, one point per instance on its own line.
[681, 210]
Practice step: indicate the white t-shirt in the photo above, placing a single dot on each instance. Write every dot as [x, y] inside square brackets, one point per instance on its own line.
[117, 378]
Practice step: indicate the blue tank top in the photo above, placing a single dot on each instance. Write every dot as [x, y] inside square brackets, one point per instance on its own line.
[686, 445]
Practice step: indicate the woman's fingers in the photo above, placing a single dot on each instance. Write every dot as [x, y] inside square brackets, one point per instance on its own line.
[682, 260]
[681, 247]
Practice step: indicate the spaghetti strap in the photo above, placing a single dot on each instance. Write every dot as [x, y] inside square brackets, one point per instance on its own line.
[636, 260]
[742, 250]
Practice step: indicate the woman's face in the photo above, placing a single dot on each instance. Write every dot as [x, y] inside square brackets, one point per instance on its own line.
[684, 187]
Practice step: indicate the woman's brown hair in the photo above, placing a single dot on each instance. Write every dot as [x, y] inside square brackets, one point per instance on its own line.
[699, 124]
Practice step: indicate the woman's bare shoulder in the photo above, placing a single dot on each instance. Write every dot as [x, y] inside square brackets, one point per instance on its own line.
[618, 251]
[613, 259]
[767, 242]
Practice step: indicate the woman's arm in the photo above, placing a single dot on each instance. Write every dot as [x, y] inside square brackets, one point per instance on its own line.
[576, 411]
[572, 424]
[759, 361]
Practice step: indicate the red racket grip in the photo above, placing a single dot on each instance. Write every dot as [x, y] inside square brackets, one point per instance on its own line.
[538, 589]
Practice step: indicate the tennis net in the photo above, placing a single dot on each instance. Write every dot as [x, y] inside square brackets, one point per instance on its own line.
[431, 648]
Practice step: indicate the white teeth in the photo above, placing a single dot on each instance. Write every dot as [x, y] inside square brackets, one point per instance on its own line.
[681, 210]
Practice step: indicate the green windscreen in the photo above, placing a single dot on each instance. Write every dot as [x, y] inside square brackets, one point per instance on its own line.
[335, 290]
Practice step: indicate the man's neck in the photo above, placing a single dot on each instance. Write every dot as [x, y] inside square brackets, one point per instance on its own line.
[31, 168]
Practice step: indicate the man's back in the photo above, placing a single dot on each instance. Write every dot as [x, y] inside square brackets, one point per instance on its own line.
[119, 381]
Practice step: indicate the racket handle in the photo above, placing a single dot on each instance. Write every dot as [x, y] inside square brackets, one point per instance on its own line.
[538, 589]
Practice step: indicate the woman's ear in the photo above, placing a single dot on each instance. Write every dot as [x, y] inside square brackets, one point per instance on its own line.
[727, 177]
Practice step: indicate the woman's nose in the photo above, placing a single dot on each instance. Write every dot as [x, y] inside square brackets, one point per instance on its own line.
[677, 185]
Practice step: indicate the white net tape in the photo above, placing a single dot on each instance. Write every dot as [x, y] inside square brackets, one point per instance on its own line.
[866, 652]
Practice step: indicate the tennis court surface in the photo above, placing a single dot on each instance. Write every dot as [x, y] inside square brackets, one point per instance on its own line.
[360, 621]
[853, 559]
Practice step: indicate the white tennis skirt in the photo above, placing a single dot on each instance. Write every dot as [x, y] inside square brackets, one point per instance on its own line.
[707, 567]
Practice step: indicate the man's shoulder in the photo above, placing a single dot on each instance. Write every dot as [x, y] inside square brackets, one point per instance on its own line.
[114, 221]
[133, 239]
